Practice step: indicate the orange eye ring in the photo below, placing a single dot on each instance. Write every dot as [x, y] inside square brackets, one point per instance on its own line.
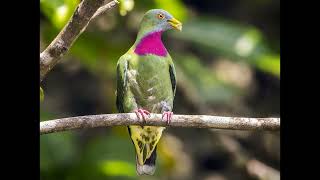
[160, 16]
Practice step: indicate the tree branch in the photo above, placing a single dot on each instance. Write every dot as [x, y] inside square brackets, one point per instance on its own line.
[195, 121]
[84, 13]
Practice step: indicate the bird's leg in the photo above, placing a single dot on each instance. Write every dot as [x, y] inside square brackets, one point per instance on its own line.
[168, 115]
[143, 113]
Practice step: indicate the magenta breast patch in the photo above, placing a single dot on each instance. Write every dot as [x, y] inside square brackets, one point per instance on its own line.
[151, 44]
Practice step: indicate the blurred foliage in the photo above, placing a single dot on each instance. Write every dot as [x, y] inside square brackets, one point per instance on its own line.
[236, 41]
[227, 62]
[52, 157]
[206, 85]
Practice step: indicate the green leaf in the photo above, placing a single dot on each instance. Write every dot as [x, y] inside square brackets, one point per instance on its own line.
[118, 168]
[58, 11]
[270, 63]
[41, 95]
[125, 6]
[175, 7]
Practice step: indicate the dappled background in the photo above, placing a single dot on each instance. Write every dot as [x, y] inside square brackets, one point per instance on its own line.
[228, 63]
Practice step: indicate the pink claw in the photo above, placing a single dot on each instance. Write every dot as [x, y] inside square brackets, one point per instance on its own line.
[168, 115]
[143, 113]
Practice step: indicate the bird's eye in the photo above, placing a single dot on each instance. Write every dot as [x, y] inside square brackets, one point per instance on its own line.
[160, 16]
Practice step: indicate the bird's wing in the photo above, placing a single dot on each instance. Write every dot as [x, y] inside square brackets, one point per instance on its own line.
[173, 79]
[122, 67]
[172, 72]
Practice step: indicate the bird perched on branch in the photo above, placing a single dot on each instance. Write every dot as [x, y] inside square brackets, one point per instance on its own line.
[146, 83]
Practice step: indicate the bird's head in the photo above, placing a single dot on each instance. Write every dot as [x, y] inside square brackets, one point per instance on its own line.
[159, 20]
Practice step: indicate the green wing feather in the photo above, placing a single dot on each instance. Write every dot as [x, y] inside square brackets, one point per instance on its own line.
[172, 72]
[121, 83]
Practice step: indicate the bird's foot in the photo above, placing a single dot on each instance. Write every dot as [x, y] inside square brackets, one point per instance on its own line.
[168, 115]
[142, 113]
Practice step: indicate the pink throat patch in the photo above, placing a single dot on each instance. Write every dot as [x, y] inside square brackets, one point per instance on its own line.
[151, 44]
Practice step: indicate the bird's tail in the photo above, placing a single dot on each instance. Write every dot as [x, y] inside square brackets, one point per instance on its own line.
[145, 140]
[149, 166]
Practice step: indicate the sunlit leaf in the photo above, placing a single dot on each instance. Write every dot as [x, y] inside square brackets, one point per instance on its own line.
[41, 94]
[246, 43]
[269, 63]
[58, 11]
[125, 6]
[118, 168]
[175, 7]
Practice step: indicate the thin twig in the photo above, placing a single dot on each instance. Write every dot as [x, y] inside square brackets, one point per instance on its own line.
[84, 13]
[195, 121]
[104, 8]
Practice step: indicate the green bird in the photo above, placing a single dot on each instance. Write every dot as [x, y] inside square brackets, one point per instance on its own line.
[146, 83]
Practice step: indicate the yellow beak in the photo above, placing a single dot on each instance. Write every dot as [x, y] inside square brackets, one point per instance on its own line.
[175, 24]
